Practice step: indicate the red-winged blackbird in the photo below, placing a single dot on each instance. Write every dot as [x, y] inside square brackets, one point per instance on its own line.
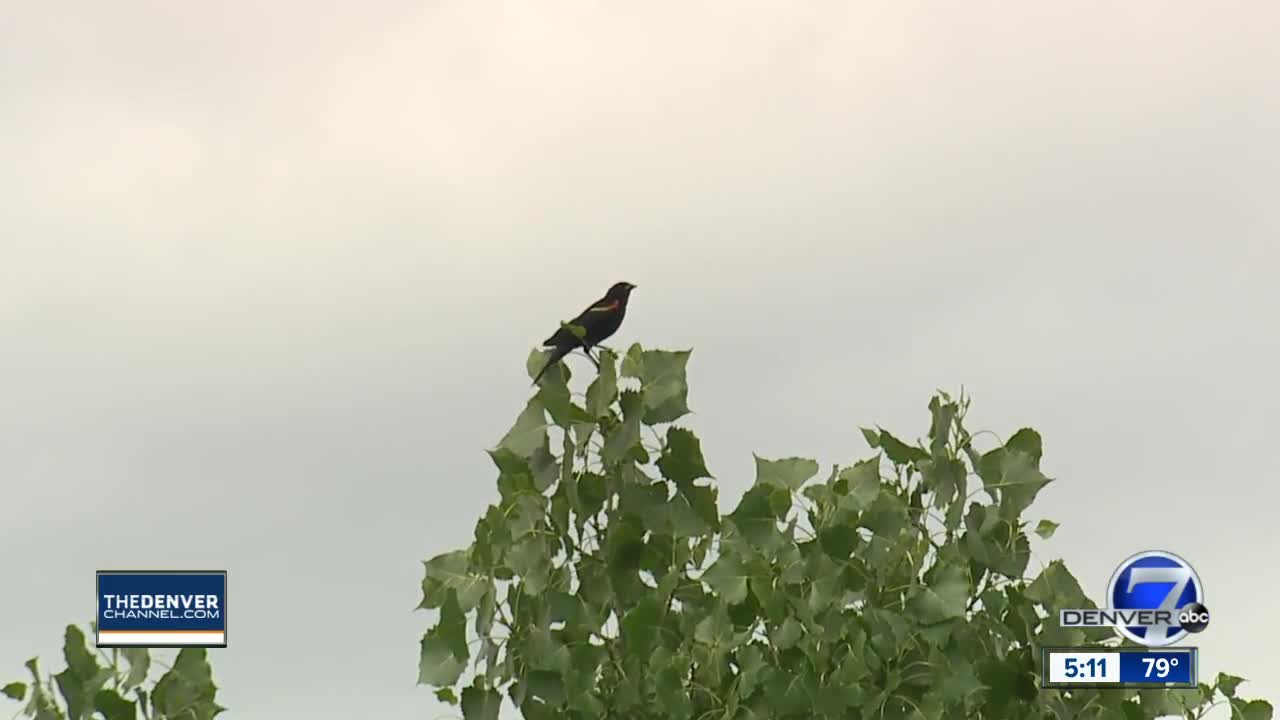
[599, 321]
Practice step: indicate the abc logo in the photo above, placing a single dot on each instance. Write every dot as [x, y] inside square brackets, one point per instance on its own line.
[1194, 617]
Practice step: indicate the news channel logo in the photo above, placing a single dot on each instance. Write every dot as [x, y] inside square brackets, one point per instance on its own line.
[161, 608]
[1155, 599]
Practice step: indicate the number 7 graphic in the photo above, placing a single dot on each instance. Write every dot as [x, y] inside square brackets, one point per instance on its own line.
[1179, 576]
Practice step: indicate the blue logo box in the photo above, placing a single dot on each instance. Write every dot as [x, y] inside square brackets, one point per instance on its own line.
[162, 608]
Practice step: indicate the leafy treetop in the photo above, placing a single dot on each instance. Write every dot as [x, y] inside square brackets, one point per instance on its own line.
[606, 583]
[116, 690]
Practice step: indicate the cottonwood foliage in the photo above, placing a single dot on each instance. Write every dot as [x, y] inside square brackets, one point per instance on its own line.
[606, 584]
[117, 688]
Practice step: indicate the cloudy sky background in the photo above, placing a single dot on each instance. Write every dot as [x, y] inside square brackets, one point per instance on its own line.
[269, 273]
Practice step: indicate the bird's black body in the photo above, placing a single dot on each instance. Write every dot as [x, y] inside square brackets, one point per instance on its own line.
[599, 321]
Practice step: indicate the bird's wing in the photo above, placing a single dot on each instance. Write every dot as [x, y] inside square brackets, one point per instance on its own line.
[598, 311]
[603, 307]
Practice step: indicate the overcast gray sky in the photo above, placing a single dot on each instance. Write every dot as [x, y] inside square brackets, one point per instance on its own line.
[269, 273]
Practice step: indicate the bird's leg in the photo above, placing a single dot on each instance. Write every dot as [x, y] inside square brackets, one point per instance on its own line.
[586, 350]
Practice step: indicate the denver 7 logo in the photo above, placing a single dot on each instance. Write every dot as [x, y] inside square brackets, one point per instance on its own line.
[1155, 580]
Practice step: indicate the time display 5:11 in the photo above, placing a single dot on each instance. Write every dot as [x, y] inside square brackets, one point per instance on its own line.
[1079, 667]
[1094, 667]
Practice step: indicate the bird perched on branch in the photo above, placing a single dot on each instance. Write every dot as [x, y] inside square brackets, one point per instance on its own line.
[597, 322]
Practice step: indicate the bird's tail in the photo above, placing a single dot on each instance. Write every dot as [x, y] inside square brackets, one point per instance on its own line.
[556, 355]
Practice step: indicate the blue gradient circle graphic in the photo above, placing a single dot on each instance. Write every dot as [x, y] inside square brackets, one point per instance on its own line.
[1155, 580]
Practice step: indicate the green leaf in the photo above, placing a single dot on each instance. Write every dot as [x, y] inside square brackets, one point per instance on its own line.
[787, 634]
[530, 558]
[530, 431]
[838, 541]
[1027, 442]
[591, 494]
[574, 329]
[991, 542]
[818, 569]
[787, 695]
[1250, 710]
[555, 397]
[831, 700]
[446, 572]
[534, 709]
[1008, 680]
[673, 696]
[525, 513]
[694, 511]
[624, 545]
[187, 689]
[604, 389]
[1185, 699]
[620, 440]
[77, 697]
[1056, 588]
[444, 648]
[946, 479]
[83, 677]
[944, 414]
[514, 471]
[139, 660]
[543, 651]
[1011, 474]
[114, 707]
[863, 482]
[480, 703]
[80, 661]
[1046, 528]
[15, 690]
[640, 627]
[945, 598]
[898, 452]
[647, 502]
[822, 496]
[41, 705]
[585, 701]
[886, 516]
[757, 514]
[728, 578]
[1228, 684]
[538, 358]
[872, 437]
[790, 473]
[770, 598]
[453, 627]
[959, 681]
[681, 461]
[445, 695]
[1159, 703]
[436, 662]
[547, 687]
[662, 379]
